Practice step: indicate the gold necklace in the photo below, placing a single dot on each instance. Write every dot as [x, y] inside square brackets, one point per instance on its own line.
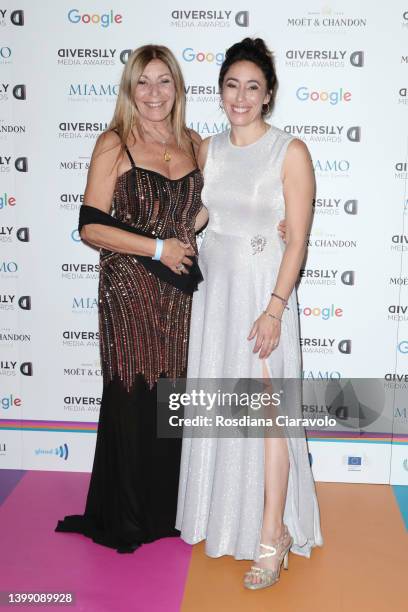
[166, 154]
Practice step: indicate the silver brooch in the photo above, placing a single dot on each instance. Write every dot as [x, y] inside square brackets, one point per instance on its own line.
[258, 244]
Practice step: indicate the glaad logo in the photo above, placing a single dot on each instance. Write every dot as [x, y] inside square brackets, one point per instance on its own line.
[75, 236]
[190, 55]
[334, 206]
[332, 97]
[105, 20]
[208, 19]
[61, 451]
[10, 368]
[321, 276]
[325, 133]
[16, 17]
[7, 234]
[17, 91]
[11, 302]
[323, 58]
[20, 163]
[325, 345]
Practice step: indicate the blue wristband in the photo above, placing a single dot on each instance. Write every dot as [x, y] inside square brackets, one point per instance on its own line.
[159, 249]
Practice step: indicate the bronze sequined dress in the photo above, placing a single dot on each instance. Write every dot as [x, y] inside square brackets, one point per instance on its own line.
[144, 324]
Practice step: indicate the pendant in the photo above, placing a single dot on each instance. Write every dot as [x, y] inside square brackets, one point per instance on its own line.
[167, 156]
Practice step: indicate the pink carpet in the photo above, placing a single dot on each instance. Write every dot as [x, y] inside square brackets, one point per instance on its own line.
[36, 559]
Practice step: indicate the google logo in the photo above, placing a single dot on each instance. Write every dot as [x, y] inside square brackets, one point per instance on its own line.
[104, 20]
[325, 313]
[189, 55]
[9, 401]
[334, 97]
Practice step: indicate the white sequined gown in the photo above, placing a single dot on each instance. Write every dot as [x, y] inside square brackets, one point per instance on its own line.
[221, 488]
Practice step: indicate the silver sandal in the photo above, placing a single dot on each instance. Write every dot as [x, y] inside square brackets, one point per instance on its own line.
[269, 576]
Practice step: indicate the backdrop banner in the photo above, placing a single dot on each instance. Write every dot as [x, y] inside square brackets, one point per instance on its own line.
[343, 89]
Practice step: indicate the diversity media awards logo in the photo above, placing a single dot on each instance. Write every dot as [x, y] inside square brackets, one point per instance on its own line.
[194, 18]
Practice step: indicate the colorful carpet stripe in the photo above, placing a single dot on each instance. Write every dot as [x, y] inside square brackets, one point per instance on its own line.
[314, 435]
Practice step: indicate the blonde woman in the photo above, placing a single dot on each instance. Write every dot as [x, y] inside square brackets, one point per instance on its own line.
[141, 209]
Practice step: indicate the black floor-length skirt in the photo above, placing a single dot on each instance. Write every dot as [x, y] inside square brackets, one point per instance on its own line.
[132, 495]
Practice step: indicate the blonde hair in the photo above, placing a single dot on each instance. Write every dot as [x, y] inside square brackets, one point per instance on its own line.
[126, 116]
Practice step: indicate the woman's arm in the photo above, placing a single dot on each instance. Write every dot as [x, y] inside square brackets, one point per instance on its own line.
[202, 217]
[101, 181]
[298, 189]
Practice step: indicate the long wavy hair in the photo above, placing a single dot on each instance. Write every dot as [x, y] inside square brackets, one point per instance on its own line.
[126, 118]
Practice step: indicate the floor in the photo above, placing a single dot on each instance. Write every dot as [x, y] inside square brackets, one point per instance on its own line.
[362, 565]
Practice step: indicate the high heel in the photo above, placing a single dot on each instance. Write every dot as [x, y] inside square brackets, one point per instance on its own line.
[286, 560]
[268, 576]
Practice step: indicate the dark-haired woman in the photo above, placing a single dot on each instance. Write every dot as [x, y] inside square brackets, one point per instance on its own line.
[250, 497]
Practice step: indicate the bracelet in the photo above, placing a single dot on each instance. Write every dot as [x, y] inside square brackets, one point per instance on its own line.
[269, 314]
[159, 249]
[281, 299]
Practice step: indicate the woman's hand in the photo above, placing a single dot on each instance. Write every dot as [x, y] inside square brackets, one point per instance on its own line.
[267, 331]
[175, 255]
[282, 229]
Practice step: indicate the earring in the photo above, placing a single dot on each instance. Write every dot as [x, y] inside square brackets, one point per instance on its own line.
[265, 110]
[221, 105]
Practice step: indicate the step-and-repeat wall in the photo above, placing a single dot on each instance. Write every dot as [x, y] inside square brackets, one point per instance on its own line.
[343, 73]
